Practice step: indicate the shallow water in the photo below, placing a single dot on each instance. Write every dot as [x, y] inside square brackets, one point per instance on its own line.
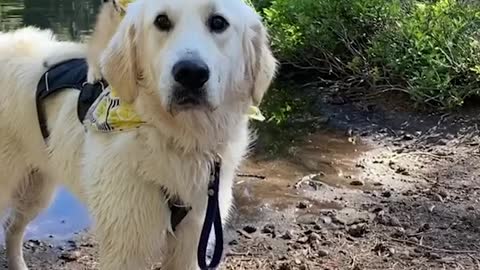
[70, 20]
[329, 155]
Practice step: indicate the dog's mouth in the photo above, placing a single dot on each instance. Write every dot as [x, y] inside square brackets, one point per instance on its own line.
[188, 99]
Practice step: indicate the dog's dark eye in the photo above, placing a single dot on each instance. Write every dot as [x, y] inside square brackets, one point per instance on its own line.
[163, 23]
[217, 24]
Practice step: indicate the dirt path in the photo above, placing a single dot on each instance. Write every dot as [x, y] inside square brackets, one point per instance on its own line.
[372, 187]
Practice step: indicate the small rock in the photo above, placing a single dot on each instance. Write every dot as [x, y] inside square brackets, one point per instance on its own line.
[408, 137]
[326, 220]
[71, 256]
[322, 253]
[287, 236]
[350, 216]
[357, 183]
[357, 230]
[302, 240]
[402, 171]
[399, 232]
[249, 229]
[443, 193]
[386, 194]
[269, 228]
[234, 242]
[307, 219]
[302, 205]
[314, 237]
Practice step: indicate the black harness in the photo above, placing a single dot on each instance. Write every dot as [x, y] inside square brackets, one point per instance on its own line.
[72, 74]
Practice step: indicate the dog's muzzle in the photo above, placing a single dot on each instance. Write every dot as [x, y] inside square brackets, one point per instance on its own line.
[189, 91]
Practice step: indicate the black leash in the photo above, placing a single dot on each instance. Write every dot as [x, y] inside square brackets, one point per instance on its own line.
[212, 219]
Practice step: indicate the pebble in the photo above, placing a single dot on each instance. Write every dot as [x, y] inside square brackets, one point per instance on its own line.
[357, 183]
[387, 194]
[357, 230]
[302, 240]
[71, 256]
[350, 216]
[326, 220]
[287, 236]
[322, 253]
[269, 228]
[302, 205]
[249, 229]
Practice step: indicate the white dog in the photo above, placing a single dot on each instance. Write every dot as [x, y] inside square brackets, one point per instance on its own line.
[189, 69]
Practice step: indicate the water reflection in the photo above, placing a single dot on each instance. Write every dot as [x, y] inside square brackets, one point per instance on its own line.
[70, 19]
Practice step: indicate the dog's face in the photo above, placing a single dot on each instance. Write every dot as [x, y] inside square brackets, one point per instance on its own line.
[190, 54]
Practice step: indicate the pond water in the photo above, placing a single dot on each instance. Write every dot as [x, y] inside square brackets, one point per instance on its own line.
[70, 20]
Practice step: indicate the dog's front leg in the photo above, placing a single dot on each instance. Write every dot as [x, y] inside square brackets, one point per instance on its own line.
[130, 222]
[182, 246]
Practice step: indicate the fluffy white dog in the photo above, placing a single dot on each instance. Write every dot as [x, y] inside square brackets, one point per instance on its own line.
[190, 69]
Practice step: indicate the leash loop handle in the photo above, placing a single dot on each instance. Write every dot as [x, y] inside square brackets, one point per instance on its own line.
[212, 219]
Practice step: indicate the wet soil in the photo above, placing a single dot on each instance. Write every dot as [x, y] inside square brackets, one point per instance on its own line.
[371, 184]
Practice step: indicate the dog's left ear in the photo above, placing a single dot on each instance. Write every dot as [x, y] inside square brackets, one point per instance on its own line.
[120, 61]
[261, 65]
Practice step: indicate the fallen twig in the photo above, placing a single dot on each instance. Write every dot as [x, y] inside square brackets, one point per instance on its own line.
[422, 154]
[246, 175]
[451, 251]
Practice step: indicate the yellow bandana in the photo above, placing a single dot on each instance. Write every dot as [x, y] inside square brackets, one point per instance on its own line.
[109, 114]
[255, 113]
[123, 6]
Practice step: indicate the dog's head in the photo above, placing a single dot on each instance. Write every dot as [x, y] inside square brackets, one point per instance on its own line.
[191, 56]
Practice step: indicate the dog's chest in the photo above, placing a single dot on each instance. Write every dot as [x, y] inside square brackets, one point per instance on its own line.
[147, 159]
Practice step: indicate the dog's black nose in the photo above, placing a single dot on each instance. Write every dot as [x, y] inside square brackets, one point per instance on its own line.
[191, 74]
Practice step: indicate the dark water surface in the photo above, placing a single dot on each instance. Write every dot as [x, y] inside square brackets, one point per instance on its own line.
[70, 20]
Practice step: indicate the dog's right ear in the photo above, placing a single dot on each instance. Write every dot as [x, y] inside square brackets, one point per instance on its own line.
[261, 65]
[120, 61]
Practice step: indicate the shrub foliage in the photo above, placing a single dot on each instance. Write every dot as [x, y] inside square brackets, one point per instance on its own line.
[429, 48]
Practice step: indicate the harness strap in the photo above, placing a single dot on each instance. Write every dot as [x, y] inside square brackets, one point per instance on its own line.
[178, 209]
[88, 94]
[212, 219]
[69, 74]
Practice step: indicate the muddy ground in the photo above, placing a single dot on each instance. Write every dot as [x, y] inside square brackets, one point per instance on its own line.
[370, 184]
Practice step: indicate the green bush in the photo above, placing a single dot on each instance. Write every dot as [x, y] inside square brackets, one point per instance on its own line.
[435, 51]
[325, 34]
[430, 48]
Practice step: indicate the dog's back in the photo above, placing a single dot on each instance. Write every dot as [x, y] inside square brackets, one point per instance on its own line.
[24, 56]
